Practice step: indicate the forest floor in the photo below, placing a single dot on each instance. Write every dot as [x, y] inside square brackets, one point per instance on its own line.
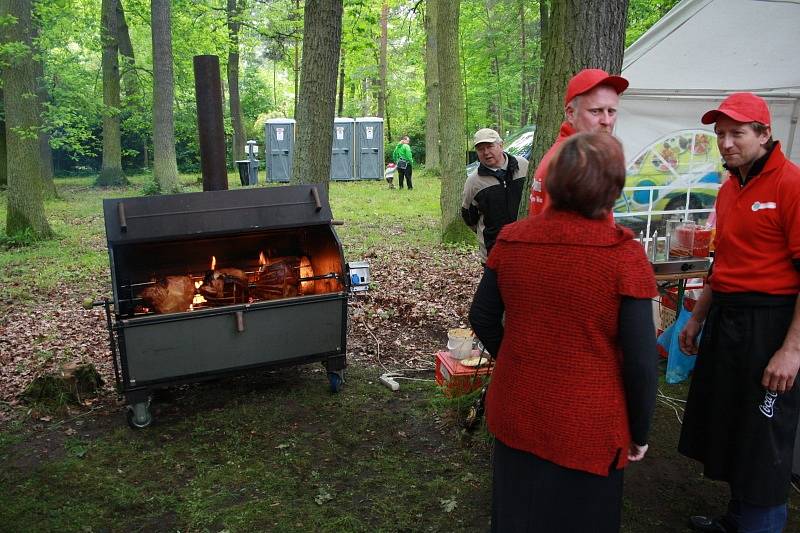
[275, 450]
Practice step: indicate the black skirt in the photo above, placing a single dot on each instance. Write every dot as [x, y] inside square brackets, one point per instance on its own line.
[742, 433]
[530, 495]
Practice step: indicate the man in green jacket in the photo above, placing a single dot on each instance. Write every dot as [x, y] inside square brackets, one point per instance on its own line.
[404, 160]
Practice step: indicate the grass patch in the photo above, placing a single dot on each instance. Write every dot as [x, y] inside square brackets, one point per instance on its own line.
[372, 213]
[286, 456]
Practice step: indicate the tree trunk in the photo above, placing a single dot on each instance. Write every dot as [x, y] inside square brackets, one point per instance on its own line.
[25, 204]
[274, 84]
[45, 151]
[382, 61]
[340, 107]
[524, 111]
[598, 31]
[237, 121]
[3, 151]
[165, 166]
[497, 106]
[322, 38]
[431, 89]
[128, 68]
[296, 62]
[111, 169]
[451, 123]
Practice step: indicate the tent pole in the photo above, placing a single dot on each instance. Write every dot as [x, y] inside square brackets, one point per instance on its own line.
[790, 140]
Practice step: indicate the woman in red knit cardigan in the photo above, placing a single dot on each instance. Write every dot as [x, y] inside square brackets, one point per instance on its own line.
[564, 305]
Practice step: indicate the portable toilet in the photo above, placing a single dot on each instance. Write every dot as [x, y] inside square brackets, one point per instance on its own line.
[342, 151]
[279, 149]
[369, 148]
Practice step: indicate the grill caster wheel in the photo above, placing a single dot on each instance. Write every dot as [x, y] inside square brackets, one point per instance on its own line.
[139, 416]
[336, 380]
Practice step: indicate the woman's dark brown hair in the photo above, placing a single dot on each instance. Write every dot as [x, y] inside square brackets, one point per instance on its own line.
[587, 175]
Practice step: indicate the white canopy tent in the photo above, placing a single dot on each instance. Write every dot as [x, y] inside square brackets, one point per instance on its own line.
[703, 50]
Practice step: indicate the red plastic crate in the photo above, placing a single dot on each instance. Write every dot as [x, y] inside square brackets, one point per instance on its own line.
[457, 379]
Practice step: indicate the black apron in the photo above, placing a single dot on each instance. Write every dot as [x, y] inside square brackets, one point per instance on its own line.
[742, 433]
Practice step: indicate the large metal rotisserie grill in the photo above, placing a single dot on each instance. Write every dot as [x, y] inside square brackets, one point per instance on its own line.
[222, 281]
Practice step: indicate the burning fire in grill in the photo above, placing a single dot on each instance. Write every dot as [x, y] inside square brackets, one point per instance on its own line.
[273, 278]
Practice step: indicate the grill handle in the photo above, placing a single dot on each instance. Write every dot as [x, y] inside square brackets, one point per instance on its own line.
[317, 203]
[123, 223]
[239, 321]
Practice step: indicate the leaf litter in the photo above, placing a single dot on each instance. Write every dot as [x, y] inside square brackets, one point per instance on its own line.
[416, 294]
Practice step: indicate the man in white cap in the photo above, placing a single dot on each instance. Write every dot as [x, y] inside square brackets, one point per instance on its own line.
[590, 106]
[492, 193]
[744, 401]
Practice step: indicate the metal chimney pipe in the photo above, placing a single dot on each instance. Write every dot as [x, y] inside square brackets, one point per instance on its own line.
[210, 129]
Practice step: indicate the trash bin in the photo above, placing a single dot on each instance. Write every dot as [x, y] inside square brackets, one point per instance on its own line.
[252, 150]
[254, 171]
[244, 171]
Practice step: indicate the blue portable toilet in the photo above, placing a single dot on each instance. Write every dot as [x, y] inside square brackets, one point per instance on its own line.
[279, 149]
[342, 160]
[369, 148]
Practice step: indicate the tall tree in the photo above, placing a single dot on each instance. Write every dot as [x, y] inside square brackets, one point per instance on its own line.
[451, 122]
[340, 105]
[431, 88]
[165, 166]
[497, 103]
[597, 28]
[131, 85]
[525, 89]
[382, 60]
[25, 209]
[3, 151]
[111, 169]
[45, 151]
[233, 13]
[128, 67]
[296, 60]
[322, 37]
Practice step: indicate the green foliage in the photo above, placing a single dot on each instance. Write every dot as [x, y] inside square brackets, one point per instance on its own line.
[490, 46]
[18, 240]
[151, 188]
[642, 14]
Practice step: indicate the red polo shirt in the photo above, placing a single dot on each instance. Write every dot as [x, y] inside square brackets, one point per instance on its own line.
[758, 231]
[539, 199]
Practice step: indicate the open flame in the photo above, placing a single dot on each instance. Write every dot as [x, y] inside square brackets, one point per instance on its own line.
[213, 262]
[198, 298]
[306, 271]
[261, 259]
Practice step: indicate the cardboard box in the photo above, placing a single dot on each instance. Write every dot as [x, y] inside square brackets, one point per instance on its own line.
[457, 379]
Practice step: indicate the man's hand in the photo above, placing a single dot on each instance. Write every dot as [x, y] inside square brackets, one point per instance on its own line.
[636, 452]
[688, 336]
[782, 369]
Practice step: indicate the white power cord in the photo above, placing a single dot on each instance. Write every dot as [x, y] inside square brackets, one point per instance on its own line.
[389, 378]
[673, 403]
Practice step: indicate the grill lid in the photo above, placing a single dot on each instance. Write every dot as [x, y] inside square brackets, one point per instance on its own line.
[178, 216]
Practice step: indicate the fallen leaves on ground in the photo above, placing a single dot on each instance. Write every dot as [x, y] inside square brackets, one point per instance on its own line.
[415, 296]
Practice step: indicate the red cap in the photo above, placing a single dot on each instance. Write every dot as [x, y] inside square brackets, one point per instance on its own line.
[589, 78]
[741, 107]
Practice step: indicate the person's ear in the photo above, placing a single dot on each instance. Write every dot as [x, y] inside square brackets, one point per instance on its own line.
[569, 113]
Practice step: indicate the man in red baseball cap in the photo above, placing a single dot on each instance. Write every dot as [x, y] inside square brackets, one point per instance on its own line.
[590, 105]
[743, 405]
